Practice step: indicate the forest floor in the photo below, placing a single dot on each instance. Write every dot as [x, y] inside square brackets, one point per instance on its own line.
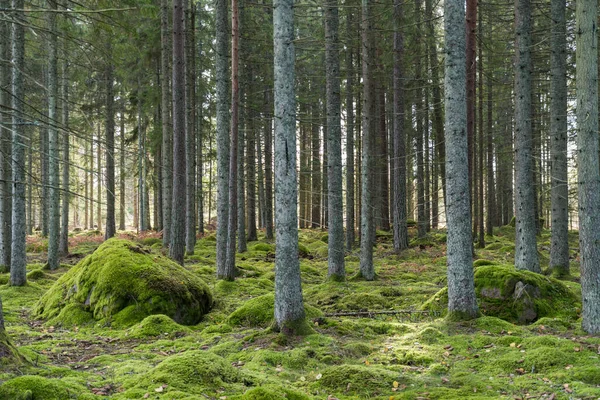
[377, 356]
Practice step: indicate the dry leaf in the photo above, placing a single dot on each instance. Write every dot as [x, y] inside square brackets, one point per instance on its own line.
[395, 384]
[445, 380]
[146, 395]
[513, 344]
[319, 376]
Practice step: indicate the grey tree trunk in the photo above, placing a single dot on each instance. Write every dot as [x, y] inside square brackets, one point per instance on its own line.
[587, 162]
[289, 307]
[99, 173]
[167, 135]
[222, 100]
[367, 270]
[53, 147]
[190, 134]
[526, 256]
[462, 303]
[399, 136]
[63, 247]
[177, 242]
[350, 222]
[233, 150]
[111, 228]
[559, 248]
[420, 132]
[336, 267]
[315, 166]
[143, 223]
[5, 146]
[200, 138]
[122, 170]
[18, 264]
[251, 176]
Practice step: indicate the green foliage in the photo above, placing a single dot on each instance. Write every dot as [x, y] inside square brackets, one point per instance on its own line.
[271, 392]
[157, 325]
[122, 282]
[30, 387]
[359, 379]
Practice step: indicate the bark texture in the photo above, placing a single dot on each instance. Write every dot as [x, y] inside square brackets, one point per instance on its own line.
[167, 135]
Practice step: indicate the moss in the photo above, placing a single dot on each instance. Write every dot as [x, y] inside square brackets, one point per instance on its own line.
[358, 349]
[122, 282]
[426, 241]
[37, 274]
[495, 325]
[363, 301]
[318, 249]
[221, 328]
[9, 355]
[191, 371]
[30, 387]
[259, 312]
[155, 325]
[303, 251]
[271, 392]
[150, 241]
[263, 247]
[587, 374]
[429, 335]
[414, 358]
[546, 324]
[494, 246]
[359, 379]
[481, 262]
[72, 314]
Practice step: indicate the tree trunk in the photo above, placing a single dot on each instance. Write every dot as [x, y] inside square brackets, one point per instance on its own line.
[480, 141]
[251, 176]
[315, 166]
[289, 307]
[167, 135]
[18, 266]
[200, 137]
[99, 172]
[177, 239]
[471, 19]
[336, 268]
[367, 271]
[559, 248]
[111, 228]
[462, 303]
[350, 231]
[53, 147]
[268, 171]
[526, 256]
[399, 136]
[5, 148]
[122, 170]
[63, 248]
[587, 162]
[190, 133]
[222, 104]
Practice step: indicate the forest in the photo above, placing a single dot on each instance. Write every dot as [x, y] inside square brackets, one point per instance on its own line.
[299, 200]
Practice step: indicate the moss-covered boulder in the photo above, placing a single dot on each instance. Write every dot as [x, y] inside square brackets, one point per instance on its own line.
[156, 325]
[259, 312]
[272, 392]
[122, 283]
[516, 296]
[31, 387]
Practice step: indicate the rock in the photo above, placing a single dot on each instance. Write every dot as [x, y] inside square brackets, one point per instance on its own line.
[121, 283]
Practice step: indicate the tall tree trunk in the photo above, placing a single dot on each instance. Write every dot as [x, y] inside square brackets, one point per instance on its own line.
[399, 135]
[367, 270]
[350, 231]
[492, 212]
[587, 163]
[462, 303]
[480, 142]
[122, 169]
[268, 170]
[5, 148]
[141, 163]
[63, 247]
[559, 248]
[190, 133]
[18, 264]
[223, 101]
[251, 176]
[471, 18]
[53, 147]
[91, 182]
[526, 256]
[167, 135]
[111, 228]
[315, 166]
[233, 149]
[242, 128]
[289, 307]
[177, 239]
[336, 268]
[200, 135]
[100, 175]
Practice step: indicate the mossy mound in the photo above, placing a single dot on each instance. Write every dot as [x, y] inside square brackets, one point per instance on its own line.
[156, 325]
[37, 274]
[122, 283]
[9, 355]
[516, 296]
[191, 372]
[481, 262]
[259, 312]
[72, 314]
[359, 379]
[264, 247]
[271, 392]
[318, 249]
[150, 241]
[31, 387]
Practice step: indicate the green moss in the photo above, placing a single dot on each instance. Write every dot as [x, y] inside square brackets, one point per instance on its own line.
[359, 379]
[363, 301]
[155, 325]
[263, 247]
[303, 251]
[429, 335]
[29, 387]
[495, 325]
[318, 249]
[191, 371]
[494, 246]
[547, 324]
[123, 283]
[72, 314]
[150, 241]
[9, 355]
[481, 262]
[37, 274]
[358, 349]
[414, 358]
[259, 312]
[425, 241]
[271, 392]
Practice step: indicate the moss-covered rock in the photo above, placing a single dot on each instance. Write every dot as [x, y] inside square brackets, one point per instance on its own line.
[515, 296]
[155, 325]
[72, 314]
[30, 387]
[482, 262]
[37, 274]
[150, 241]
[192, 372]
[259, 312]
[9, 355]
[122, 283]
[263, 247]
[271, 392]
[359, 379]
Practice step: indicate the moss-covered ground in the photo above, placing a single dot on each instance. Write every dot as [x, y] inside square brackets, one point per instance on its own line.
[232, 354]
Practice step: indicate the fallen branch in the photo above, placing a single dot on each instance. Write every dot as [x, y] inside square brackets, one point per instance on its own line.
[372, 313]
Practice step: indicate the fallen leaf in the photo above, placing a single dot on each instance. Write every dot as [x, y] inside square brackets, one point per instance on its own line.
[302, 378]
[577, 349]
[367, 362]
[445, 380]
[319, 376]
[520, 371]
[513, 344]
[395, 384]
[146, 395]
[159, 389]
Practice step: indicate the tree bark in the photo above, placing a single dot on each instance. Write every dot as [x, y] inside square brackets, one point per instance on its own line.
[167, 135]
[122, 169]
[111, 228]
[289, 307]
[350, 224]
[63, 247]
[5, 146]
[462, 303]
[587, 162]
[177, 239]
[190, 133]
[559, 247]
[526, 256]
